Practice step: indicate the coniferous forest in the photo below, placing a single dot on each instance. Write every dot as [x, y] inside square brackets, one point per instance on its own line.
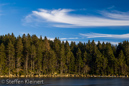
[27, 54]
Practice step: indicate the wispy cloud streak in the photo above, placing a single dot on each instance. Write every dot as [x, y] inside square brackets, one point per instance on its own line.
[96, 42]
[98, 35]
[63, 18]
[117, 15]
[64, 38]
[114, 43]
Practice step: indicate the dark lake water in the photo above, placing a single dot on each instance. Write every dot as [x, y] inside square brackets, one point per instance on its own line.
[74, 82]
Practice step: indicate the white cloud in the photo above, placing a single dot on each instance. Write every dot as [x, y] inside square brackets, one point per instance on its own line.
[52, 39]
[117, 15]
[96, 42]
[98, 35]
[114, 43]
[63, 39]
[68, 38]
[62, 18]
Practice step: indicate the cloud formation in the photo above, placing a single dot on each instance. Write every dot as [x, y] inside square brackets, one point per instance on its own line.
[63, 18]
[63, 39]
[96, 42]
[113, 43]
[117, 15]
[98, 35]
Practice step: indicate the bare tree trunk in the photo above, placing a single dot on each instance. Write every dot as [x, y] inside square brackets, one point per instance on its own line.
[18, 66]
[26, 64]
[9, 64]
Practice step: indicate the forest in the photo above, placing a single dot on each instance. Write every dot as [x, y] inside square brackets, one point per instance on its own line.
[26, 54]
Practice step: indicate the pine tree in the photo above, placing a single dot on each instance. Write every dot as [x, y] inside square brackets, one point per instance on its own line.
[19, 54]
[63, 66]
[68, 55]
[99, 63]
[99, 45]
[33, 58]
[47, 44]
[86, 68]
[125, 47]
[111, 59]
[12, 38]
[2, 60]
[26, 52]
[46, 56]
[35, 40]
[122, 64]
[93, 53]
[11, 57]
[79, 60]
[31, 55]
[56, 48]
[72, 63]
[53, 62]
[39, 56]
[73, 48]
[105, 65]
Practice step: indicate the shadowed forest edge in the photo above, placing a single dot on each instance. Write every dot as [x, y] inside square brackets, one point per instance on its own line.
[30, 55]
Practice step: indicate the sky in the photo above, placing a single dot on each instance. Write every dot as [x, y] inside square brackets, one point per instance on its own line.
[71, 20]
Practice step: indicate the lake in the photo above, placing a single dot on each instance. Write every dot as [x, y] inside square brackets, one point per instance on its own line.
[71, 82]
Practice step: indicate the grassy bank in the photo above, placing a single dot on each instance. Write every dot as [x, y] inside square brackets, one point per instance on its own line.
[61, 75]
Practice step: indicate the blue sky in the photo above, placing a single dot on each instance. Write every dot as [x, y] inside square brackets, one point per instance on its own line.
[72, 20]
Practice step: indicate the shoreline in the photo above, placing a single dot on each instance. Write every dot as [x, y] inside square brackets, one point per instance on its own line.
[64, 75]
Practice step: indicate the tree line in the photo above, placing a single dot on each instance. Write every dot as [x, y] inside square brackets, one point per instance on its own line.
[25, 55]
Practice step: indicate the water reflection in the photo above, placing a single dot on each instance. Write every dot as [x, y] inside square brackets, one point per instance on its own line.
[80, 82]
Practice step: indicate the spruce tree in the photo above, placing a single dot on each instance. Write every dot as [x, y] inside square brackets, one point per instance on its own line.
[26, 53]
[122, 64]
[33, 58]
[46, 56]
[99, 63]
[111, 59]
[3, 60]
[68, 55]
[86, 68]
[79, 60]
[39, 56]
[19, 54]
[63, 66]
[56, 48]
[53, 62]
[31, 55]
[72, 63]
[11, 58]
